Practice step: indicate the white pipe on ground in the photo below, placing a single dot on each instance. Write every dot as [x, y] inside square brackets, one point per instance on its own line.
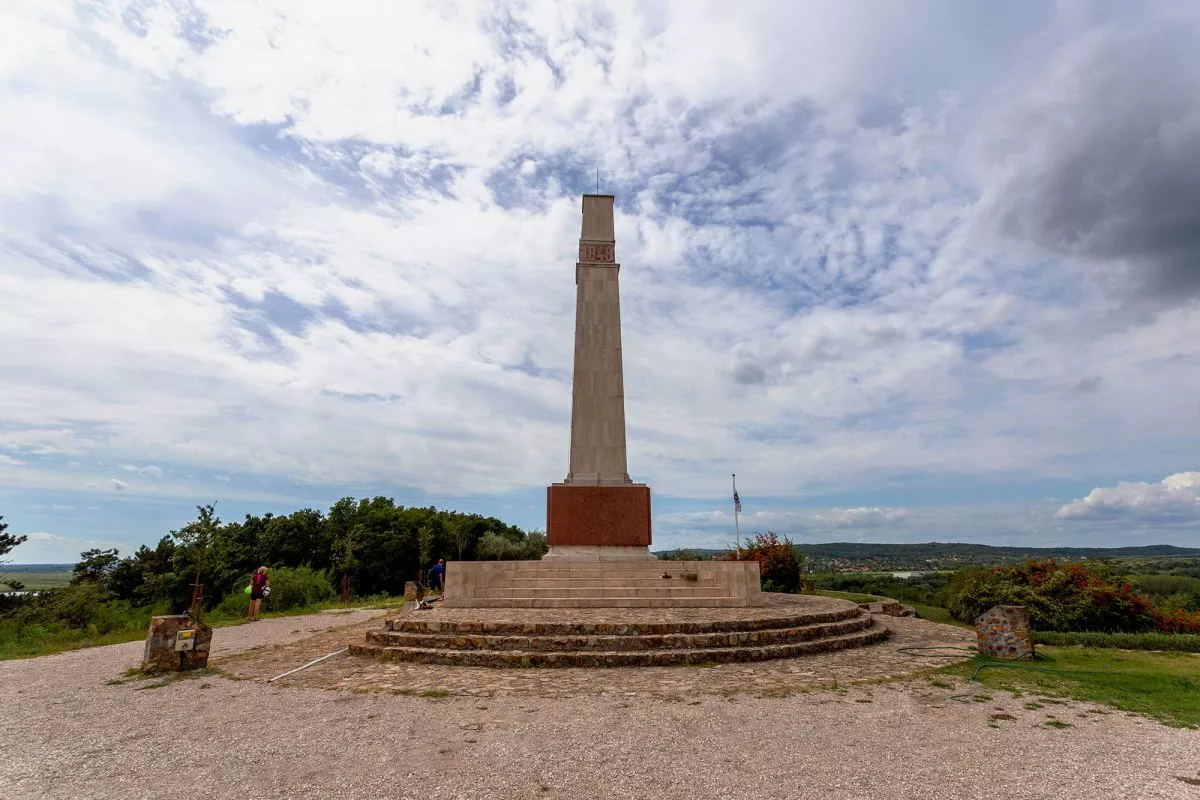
[309, 664]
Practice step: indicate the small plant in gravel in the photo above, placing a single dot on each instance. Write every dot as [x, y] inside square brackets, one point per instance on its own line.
[435, 693]
[1058, 724]
[998, 717]
[1034, 706]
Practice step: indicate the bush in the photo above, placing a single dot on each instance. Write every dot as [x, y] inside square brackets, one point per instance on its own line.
[495, 547]
[1058, 597]
[1177, 621]
[294, 588]
[1182, 642]
[778, 564]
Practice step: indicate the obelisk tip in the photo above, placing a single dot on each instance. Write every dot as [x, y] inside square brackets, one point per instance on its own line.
[598, 218]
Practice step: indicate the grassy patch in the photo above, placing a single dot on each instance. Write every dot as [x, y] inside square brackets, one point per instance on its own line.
[1058, 723]
[1182, 642]
[1163, 686]
[435, 693]
[38, 581]
[31, 641]
[853, 597]
[938, 614]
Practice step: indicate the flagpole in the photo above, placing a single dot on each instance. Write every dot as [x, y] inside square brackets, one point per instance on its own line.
[736, 530]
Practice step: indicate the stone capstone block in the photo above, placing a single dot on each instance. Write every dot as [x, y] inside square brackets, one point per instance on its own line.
[176, 642]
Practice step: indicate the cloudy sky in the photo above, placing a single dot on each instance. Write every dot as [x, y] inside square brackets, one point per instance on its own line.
[914, 271]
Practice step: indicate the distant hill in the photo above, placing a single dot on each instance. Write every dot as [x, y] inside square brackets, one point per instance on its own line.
[934, 555]
[38, 567]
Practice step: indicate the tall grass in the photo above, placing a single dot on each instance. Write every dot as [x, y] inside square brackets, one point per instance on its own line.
[84, 615]
[1181, 642]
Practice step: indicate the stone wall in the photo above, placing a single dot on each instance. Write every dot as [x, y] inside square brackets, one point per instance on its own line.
[1004, 633]
[161, 655]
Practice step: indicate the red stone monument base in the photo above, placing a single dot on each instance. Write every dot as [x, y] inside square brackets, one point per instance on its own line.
[597, 516]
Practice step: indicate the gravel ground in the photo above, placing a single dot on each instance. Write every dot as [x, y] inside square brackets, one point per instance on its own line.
[67, 733]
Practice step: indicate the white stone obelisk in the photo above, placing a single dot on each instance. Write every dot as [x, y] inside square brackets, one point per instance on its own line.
[598, 512]
[598, 455]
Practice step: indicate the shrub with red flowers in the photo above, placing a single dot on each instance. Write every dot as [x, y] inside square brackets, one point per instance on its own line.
[1177, 620]
[1058, 597]
[778, 562]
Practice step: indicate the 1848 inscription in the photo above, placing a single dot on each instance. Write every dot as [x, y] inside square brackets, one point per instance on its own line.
[590, 253]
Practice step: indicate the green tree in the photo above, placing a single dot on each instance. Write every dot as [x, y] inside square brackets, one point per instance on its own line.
[95, 565]
[8, 541]
[198, 539]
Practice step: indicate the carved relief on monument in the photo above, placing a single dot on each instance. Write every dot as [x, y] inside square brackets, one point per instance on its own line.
[592, 253]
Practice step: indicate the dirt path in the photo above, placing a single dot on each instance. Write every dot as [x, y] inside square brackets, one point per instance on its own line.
[65, 732]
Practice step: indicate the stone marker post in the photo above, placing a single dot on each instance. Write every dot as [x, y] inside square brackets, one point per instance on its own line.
[1004, 633]
[176, 642]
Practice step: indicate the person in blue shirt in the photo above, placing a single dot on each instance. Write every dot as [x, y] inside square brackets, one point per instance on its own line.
[437, 576]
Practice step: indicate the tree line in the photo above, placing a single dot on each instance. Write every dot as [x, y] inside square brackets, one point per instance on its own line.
[368, 546]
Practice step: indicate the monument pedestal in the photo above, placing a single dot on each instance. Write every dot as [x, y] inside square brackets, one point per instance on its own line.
[598, 523]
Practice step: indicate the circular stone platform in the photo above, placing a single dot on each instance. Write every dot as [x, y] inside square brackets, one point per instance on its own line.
[786, 626]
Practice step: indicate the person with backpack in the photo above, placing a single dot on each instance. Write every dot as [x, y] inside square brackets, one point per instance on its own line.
[260, 587]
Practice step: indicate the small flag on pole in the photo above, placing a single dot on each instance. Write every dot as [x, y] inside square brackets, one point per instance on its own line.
[737, 503]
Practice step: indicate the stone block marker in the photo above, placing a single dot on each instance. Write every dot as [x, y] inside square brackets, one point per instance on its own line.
[1004, 633]
[176, 642]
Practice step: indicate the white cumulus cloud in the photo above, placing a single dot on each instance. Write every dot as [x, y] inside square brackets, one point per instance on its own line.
[1174, 499]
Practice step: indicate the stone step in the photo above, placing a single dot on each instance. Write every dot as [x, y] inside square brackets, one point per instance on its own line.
[615, 643]
[651, 565]
[540, 582]
[599, 591]
[416, 623]
[601, 602]
[644, 658]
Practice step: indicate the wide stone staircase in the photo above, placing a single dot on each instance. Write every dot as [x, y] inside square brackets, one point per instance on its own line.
[780, 631]
[601, 584]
